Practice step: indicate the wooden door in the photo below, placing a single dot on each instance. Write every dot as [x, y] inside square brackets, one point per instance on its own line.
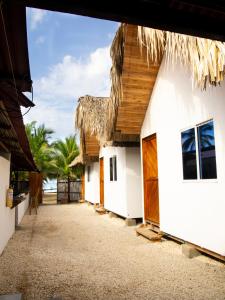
[83, 186]
[102, 181]
[150, 170]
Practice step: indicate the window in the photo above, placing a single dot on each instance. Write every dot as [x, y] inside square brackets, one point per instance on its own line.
[88, 173]
[198, 152]
[113, 168]
[189, 154]
[207, 151]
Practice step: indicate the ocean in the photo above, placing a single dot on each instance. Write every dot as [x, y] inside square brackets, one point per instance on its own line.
[50, 186]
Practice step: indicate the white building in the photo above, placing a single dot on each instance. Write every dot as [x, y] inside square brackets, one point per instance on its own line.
[9, 218]
[122, 181]
[15, 155]
[92, 183]
[182, 132]
[191, 181]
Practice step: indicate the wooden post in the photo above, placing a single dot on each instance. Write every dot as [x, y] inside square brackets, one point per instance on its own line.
[68, 188]
[40, 183]
[35, 183]
[83, 185]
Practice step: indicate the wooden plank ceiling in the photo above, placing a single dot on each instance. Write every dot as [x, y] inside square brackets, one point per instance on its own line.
[91, 146]
[138, 80]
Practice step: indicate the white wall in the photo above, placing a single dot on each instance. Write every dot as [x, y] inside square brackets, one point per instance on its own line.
[92, 193]
[7, 215]
[133, 178]
[115, 191]
[123, 196]
[22, 208]
[193, 211]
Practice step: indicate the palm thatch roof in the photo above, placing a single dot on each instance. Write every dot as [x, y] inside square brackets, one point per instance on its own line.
[93, 119]
[204, 57]
[77, 161]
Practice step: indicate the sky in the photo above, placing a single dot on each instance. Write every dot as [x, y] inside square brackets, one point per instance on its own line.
[69, 57]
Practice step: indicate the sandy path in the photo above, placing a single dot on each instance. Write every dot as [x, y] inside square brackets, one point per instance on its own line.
[72, 252]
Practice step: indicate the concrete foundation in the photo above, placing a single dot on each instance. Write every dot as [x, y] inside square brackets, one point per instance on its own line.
[112, 215]
[130, 222]
[189, 251]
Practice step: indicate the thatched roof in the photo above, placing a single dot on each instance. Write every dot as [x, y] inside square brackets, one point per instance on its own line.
[92, 116]
[94, 119]
[205, 58]
[77, 161]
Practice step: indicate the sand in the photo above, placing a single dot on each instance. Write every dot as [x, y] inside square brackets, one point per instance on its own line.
[70, 251]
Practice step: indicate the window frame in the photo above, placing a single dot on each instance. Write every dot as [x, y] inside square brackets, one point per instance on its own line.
[113, 168]
[199, 179]
[88, 173]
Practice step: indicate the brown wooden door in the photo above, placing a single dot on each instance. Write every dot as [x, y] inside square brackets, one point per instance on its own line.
[102, 181]
[83, 186]
[150, 169]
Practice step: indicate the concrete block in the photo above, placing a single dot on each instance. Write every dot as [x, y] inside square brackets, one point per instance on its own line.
[130, 222]
[112, 215]
[189, 251]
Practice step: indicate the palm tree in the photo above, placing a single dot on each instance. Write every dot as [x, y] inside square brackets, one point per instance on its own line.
[188, 140]
[40, 147]
[205, 137]
[65, 152]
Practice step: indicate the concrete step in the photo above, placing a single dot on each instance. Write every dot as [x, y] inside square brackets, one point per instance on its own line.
[146, 232]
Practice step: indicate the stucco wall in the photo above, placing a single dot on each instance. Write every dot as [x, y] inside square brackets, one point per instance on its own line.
[133, 186]
[92, 186]
[7, 215]
[22, 208]
[191, 210]
[115, 191]
[123, 196]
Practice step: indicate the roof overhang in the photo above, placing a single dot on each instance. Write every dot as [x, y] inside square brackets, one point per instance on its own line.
[200, 18]
[14, 48]
[137, 80]
[13, 138]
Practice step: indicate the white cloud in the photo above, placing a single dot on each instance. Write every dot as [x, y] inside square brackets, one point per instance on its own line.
[40, 40]
[72, 78]
[61, 121]
[36, 17]
[56, 93]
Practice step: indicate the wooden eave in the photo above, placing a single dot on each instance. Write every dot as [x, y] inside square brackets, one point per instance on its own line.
[92, 147]
[138, 81]
[13, 137]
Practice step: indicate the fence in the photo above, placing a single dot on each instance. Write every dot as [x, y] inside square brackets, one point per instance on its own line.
[20, 186]
[68, 190]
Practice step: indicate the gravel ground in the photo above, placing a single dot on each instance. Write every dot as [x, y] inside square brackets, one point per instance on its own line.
[69, 251]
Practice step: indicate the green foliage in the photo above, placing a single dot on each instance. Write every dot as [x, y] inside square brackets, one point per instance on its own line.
[52, 159]
[65, 152]
[41, 149]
